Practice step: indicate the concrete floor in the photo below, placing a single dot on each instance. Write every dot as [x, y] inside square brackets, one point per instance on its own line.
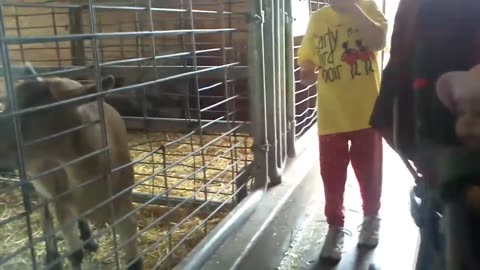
[399, 235]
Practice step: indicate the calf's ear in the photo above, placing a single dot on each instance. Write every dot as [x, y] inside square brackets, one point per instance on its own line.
[59, 89]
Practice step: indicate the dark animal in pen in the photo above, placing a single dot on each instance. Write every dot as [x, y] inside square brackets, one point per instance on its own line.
[167, 99]
[162, 100]
[76, 187]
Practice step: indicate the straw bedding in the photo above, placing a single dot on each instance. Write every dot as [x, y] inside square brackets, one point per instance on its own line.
[176, 234]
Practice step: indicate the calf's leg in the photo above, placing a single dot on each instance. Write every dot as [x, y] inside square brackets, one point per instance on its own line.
[52, 260]
[86, 236]
[67, 218]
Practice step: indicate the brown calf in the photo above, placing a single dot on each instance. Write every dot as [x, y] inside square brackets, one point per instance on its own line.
[78, 185]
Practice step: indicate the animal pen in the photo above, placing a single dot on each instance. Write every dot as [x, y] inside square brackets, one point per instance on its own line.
[204, 130]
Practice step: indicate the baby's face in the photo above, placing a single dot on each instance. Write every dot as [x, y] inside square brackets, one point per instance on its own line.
[459, 91]
[468, 123]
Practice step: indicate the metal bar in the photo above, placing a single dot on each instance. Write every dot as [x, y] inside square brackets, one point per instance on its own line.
[105, 7]
[57, 45]
[290, 80]
[308, 110]
[116, 90]
[146, 198]
[226, 73]
[103, 127]
[257, 92]
[19, 34]
[271, 83]
[205, 202]
[226, 89]
[167, 167]
[240, 215]
[110, 35]
[210, 86]
[188, 235]
[197, 86]
[183, 42]
[306, 99]
[282, 105]
[307, 126]
[100, 232]
[242, 181]
[61, 133]
[27, 203]
[305, 89]
[218, 104]
[238, 72]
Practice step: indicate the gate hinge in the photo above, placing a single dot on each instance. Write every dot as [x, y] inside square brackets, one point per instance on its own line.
[263, 147]
[291, 124]
[256, 18]
[289, 18]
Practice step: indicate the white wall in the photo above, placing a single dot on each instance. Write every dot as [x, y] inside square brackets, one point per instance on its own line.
[390, 11]
[300, 12]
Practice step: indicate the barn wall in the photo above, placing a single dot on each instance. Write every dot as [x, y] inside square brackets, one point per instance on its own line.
[36, 22]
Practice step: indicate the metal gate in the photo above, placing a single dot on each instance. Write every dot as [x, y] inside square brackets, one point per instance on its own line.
[201, 125]
[180, 87]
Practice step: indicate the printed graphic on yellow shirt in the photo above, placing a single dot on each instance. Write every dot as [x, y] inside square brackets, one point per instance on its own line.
[355, 56]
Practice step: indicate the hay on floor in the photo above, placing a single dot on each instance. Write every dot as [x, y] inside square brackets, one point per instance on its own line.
[184, 174]
[181, 230]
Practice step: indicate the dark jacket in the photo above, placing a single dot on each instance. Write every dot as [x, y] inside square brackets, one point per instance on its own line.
[430, 37]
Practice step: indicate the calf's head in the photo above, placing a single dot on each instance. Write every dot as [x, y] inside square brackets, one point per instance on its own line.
[48, 121]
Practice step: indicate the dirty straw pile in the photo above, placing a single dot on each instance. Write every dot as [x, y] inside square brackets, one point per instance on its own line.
[184, 177]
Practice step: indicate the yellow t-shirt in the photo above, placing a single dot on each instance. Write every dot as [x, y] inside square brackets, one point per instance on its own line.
[349, 76]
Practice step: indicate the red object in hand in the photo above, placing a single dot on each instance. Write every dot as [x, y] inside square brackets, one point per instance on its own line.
[420, 84]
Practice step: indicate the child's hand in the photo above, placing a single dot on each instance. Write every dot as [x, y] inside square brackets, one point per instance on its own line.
[307, 73]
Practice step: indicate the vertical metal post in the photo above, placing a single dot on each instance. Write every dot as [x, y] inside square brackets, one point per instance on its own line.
[271, 84]
[290, 79]
[55, 32]
[282, 132]
[19, 33]
[276, 109]
[187, 105]
[278, 90]
[27, 201]
[103, 129]
[283, 94]
[226, 95]
[197, 90]
[77, 49]
[257, 91]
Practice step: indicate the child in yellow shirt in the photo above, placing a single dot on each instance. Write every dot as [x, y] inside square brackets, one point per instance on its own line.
[341, 45]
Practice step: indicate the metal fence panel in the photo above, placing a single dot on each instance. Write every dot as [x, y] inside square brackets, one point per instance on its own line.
[180, 87]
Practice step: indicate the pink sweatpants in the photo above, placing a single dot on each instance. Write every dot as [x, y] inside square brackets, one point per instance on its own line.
[366, 156]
